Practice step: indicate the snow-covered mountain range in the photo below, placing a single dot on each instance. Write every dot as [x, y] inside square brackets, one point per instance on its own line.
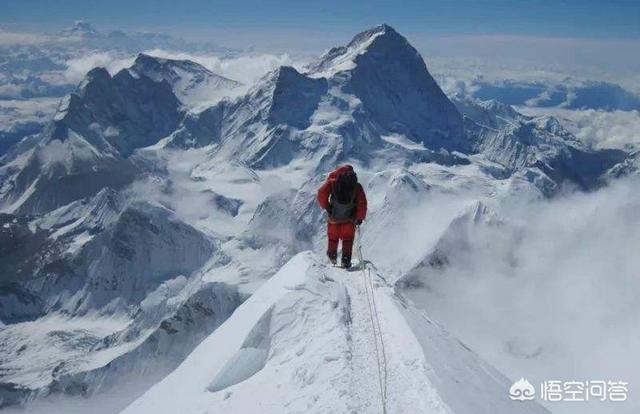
[154, 235]
[35, 74]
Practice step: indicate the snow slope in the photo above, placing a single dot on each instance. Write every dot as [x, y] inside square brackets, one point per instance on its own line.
[192, 83]
[303, 344]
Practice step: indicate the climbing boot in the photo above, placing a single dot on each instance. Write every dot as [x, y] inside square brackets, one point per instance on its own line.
[346, 262]
[333, 257]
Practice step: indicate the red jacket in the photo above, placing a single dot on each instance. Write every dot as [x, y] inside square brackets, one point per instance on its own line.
[327, 188]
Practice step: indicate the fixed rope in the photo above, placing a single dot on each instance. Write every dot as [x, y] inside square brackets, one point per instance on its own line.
[381, 357]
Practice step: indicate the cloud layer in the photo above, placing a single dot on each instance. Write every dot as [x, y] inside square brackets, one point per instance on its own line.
[77, 68]
[561, 300]
[21, 38]
[598, 129]
[244, 68]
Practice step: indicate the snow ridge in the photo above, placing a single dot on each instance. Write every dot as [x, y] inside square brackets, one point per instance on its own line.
[303, 342]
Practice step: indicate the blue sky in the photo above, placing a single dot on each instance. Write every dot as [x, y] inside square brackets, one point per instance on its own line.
[551, 18]
[601, 34]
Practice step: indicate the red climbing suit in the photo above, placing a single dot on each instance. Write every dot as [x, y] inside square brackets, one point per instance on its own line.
[342, 229]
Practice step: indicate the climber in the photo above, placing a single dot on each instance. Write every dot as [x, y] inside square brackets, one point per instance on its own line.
[344, 200]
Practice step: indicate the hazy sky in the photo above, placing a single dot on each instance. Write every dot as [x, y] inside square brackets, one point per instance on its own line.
[599, 34]
[564, 18]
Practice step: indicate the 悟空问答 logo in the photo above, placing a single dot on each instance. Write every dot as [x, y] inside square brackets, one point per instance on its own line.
[522, 390]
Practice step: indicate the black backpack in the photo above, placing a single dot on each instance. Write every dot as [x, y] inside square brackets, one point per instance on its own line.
[343, 195]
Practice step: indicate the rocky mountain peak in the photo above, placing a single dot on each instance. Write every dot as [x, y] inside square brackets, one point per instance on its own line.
[342, 58]
[391, 79]
[191, 82]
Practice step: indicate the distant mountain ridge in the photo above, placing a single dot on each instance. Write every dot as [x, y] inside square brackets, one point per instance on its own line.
[83, 32]
[381, 86]
[100, 125]
[342, 107]
[190, 81]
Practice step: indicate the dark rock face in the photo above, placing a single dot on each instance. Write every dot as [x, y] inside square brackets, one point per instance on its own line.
[162, 351]
[394, 84]
[22, 254]
[88, 145]
[295, 98]
[185, 77]
[138, 110]
[144, 247]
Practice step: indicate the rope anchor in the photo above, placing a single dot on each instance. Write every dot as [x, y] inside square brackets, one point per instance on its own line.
[381, 357]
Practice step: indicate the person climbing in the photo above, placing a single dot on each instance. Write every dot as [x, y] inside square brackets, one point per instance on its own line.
[344, 199]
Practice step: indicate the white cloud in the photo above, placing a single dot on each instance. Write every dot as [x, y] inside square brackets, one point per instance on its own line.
[77, 68]
[17, 111]
[562, 292]
[599, 129]
[465, 67]
[11, 90]
[21, 38]
[246, 68]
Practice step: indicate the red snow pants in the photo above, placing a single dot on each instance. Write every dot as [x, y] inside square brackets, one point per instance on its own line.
[344, 231]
